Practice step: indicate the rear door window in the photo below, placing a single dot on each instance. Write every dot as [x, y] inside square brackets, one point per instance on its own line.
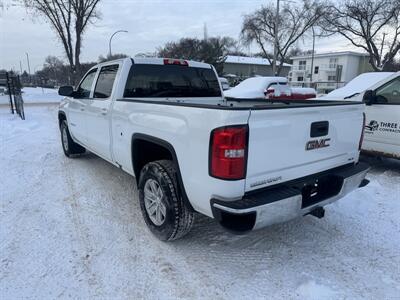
[163, 81]
[105, 81]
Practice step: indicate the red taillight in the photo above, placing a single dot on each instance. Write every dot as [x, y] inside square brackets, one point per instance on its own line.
[362, 133]
[228, 152]
[180, 62]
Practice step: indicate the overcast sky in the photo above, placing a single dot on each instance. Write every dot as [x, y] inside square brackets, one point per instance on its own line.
[150, 24]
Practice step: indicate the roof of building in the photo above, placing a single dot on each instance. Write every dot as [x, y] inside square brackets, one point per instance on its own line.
[327, 54]
[250, 60]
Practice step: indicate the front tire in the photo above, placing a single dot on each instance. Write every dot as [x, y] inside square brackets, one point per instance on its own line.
[69, 146]
[162, 206]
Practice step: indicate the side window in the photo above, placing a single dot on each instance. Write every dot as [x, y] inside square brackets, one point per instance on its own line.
[105, 81]
[389, 93]
[86, 84]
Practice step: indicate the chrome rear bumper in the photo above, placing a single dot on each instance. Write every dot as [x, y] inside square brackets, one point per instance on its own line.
[288, 201]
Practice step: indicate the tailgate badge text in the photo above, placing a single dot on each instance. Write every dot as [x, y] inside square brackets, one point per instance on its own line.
[316, 144]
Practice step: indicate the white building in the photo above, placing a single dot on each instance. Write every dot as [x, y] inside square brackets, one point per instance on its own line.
[327, 71]
[243, 66]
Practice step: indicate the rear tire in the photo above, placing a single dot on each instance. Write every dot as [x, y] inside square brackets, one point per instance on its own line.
[69, 146]
[162, 206]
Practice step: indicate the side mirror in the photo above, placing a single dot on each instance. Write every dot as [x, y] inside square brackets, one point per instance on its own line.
[369, 97]
[66, 90]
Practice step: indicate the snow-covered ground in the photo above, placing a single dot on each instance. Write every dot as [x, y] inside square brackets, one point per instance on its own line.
[36, 95]
[72, 228]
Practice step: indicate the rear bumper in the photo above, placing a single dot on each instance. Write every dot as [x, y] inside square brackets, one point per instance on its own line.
[286, 201]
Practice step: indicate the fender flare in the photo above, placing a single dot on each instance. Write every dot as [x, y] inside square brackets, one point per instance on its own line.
[170, 148]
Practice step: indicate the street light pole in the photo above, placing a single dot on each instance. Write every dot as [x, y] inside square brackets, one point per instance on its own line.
[276, 38]
[109, 42]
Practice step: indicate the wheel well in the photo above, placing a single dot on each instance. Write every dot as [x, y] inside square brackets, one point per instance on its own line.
[144, 151]
[61, 117]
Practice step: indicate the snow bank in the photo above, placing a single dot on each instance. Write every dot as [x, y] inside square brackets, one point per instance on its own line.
[36, 95]
[40, 95]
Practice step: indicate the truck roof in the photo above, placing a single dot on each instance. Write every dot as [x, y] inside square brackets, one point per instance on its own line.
[159, 61]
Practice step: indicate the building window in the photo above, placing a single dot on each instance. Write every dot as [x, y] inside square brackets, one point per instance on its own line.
[300, 78]
[333, 63]
[302, 64]
[331, 78]
[316, 69]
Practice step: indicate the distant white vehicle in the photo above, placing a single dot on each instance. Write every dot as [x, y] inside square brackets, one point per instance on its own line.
[353, 89]
[224, 83]
[381, 93]
[254, 87]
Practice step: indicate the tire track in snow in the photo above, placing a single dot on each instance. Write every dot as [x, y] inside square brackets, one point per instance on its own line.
[85, 247]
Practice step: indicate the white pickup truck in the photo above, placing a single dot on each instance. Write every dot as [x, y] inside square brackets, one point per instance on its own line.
[380, 91]
[247, 164]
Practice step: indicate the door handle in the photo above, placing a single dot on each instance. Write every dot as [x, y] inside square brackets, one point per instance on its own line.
[82, 109]
[104, 111]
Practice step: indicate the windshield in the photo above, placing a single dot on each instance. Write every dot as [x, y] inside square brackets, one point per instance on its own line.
[146, 80]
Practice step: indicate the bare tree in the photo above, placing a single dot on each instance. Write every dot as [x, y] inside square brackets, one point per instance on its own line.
[294, 22]
[69, 19]
[372, 25]
[212, 50]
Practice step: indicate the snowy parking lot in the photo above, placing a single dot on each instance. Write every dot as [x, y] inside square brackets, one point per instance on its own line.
[72, 228]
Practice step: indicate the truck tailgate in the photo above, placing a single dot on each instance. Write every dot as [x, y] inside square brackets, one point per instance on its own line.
[285, 144]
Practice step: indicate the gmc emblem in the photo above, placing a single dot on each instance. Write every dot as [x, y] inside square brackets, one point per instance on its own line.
[316, 144]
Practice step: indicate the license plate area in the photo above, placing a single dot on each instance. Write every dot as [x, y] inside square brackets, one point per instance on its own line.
[320, 189]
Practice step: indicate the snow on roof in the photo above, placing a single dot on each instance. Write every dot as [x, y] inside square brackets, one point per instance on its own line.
[232, 59]
[358, 85]
[327, 54]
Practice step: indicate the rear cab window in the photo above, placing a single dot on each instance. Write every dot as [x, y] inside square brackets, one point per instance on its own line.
[171, 81]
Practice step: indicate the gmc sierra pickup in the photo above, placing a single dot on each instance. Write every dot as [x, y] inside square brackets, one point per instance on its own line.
[248, 163]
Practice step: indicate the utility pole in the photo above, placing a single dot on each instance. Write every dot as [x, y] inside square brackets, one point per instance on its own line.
[29, 66]
[312, 55]
[276, 38]
[20, 67]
